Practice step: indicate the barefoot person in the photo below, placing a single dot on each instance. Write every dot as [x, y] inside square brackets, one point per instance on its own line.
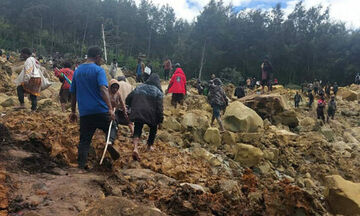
[218, 101]
[29, 79]
[146, 104]
[89, 90]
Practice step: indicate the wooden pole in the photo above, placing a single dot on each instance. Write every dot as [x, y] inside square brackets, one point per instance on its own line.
[103, 34]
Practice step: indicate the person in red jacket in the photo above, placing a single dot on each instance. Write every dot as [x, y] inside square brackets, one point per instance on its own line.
[177, 86]
[65, 76]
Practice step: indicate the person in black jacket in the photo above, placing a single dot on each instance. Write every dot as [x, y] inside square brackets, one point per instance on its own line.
[146, 105]
[218, 101]
[239, 91]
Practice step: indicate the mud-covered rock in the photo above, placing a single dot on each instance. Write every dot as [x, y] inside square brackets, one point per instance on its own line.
[248, 155]
[347, 94]
[239, 118]
[343, 196]
[213, 137]
[170, 123]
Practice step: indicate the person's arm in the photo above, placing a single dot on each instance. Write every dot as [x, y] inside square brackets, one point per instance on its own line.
[105, 96]
[160, 111]
[73, 116]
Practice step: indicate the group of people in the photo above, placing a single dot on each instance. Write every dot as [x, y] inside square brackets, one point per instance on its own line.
[318, 88]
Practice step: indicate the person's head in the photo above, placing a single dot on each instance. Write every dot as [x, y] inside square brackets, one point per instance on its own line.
[114, 86]
[332, 97]
[154, 80]
[25, 53]
[95, 54]
[213, 76]
[177, 65]
[139, 60]
[114, 60]
[1, 52]
[67, 64]
[335, 83]
[121, 78]
[148, 62]
[297, 92]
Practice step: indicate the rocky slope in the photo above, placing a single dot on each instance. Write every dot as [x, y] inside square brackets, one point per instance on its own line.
[272, 160]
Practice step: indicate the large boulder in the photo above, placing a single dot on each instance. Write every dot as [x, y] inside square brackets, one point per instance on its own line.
[328, 134]
[248, 155]
[273, 107]
[201, 153]
[239, 118]
[196, 122]
[213, 137]
[343, 196]
[111, 206]
[347, 94]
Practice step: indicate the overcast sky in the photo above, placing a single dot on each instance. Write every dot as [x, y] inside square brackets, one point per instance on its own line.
[344, 10]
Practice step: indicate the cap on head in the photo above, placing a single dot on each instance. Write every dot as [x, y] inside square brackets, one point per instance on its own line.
[177, 65]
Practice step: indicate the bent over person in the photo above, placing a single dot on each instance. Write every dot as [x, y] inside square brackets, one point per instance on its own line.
[89, 90]
[146, 104]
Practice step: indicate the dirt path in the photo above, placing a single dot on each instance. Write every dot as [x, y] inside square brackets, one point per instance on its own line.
[42, 185]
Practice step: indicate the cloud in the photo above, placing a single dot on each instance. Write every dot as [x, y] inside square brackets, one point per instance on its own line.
[343, 10]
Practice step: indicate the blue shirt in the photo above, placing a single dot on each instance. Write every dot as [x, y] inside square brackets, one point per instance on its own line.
[138, 69]
[86, 83]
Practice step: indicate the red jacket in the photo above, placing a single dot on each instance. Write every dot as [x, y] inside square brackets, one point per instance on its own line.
[178, 82]
[68, 73]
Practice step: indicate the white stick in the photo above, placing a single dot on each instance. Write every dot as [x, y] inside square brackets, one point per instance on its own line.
[107, 143]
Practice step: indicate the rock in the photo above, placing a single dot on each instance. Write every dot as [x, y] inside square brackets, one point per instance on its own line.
[347, 94]
[230, 188]
[111, 206]
[284, 137]
[265, 168]
[273, 107]
[307, 124]
[287, 117]
[196, 187]
[203, 154]
[147, 175]
[248, 155]
[328, 134]
[9, 102]
[131, 80]
[229, 138]
[309, 183]
[195, 119]
[45, 103]
[343, 196]
[170, 123]
[213, 137]
[239, 118]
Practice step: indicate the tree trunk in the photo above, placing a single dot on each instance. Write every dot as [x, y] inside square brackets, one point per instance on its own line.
[202, 59]
[84, 36]
[103, 34]
[149, 45]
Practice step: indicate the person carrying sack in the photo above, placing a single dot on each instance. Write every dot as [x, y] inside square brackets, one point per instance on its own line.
[29, 80]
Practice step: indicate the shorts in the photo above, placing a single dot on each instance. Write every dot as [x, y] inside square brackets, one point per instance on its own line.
[216, 111]
[65, 95]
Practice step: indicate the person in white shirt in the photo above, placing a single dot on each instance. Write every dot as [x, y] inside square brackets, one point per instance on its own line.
[29, 79]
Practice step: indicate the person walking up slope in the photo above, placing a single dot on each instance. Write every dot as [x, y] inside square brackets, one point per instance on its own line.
[65, 76]
[177, 86]
[146, 104]
[331, 108]
[218, 101]
[320, 109]
[89, 90]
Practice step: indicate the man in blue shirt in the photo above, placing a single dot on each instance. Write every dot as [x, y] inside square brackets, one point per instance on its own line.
[89, 89]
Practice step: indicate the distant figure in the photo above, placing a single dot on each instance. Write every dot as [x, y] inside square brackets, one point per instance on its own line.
[276, 81]
[147, 71]
[65, 76]
[331, 108]
[253, 83]
[177, 86]
[316, 87]
[335, 88]
[140, 71]
[113, 68]
[8, 57]
[297, 99]
[200, 87]
[218, 101]
[29, 79]
[146, 104]
[320, 108]
[167, 68]
[328, 89]
[266, 75]
[357, 79]
[248, 83]
[311, 98]
[239, 91]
